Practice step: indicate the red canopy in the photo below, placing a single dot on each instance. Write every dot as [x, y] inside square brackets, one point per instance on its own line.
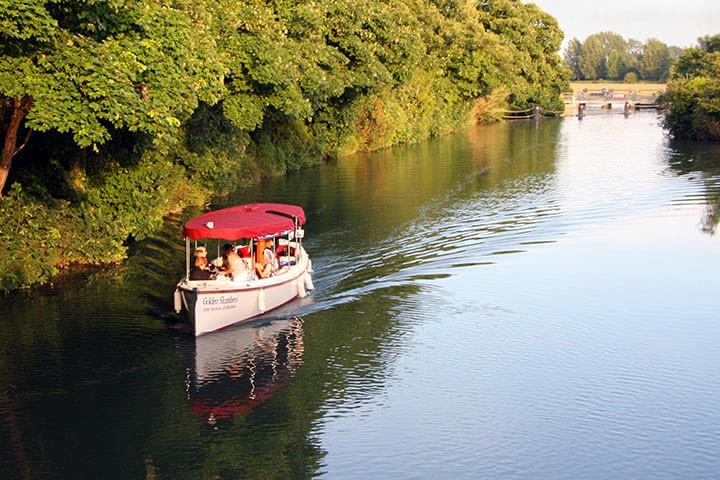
[245, 221]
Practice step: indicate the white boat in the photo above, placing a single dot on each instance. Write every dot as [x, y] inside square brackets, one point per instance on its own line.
[216, 303]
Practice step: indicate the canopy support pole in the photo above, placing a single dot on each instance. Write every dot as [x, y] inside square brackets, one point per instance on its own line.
[253, 272]
[187, 258]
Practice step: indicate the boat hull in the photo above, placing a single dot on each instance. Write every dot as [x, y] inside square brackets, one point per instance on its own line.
[213, 304]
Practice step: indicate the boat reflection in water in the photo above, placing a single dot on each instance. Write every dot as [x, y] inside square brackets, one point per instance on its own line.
[239, 369]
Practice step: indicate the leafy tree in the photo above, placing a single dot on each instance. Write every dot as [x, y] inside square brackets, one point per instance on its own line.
[655, 60]
[592, 64]
[630, 58]
[615, 66]
[530, 64]
[572, 56]
[630, 77]
[89, 67]
[692, 98]
[709, 43]
[153, 101]
[603, 56]
[608, 55]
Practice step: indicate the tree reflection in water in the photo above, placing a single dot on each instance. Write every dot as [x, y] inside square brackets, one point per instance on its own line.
[700, 162]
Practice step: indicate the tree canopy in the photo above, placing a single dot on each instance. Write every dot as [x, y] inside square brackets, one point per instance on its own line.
[692, 99]
[607, 55]
[92, 67]
[89, 67]
[106, 104]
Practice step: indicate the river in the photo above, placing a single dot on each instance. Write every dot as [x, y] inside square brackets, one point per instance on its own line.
[520, 300]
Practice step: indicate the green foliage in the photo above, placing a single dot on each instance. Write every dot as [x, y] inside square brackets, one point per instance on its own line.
[710, 44]
[528, 61]
[572, 56]
[602, 56]
[630, 77]
[130, 201]
[283, 145]
[692, 98]
[158, 103]
[607, 55]
[29, 240]
[23, 22]
[655, 61]
[140, 66]
[39, 236]
[100, 66]
[214, 151]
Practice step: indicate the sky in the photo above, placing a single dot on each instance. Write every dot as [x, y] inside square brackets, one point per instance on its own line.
[674, 22]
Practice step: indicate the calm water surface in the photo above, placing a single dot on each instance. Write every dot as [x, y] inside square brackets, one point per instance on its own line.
[514, 301]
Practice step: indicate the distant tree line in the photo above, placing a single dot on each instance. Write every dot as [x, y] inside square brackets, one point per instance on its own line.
[608, 56]
[113, 112]
[692, 99]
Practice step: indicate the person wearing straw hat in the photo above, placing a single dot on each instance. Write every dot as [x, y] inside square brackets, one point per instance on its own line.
[201, 269]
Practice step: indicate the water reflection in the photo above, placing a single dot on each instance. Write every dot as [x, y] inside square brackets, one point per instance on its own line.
[699, 162]
[512, 288]
[410, 214]
[238, 369]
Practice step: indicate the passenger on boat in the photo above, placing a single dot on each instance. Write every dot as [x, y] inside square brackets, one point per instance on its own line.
[244, 252]
[201, 269]
[285, 255]
[233, 267]
[265, 261]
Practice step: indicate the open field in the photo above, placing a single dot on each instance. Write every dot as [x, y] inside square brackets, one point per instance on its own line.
[640, 89]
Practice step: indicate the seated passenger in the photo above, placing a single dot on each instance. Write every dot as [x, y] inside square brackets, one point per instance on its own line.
[285, 254]
[270, 257]
[233, 267]
[265, 261]
[201, 269]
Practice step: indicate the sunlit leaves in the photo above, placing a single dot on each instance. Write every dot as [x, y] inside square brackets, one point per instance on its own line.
[655, 60]
[245, 111]
[142, 66]
[23, 20]
[526, 57]
[607, 55]
[209, 91]
[693, 94]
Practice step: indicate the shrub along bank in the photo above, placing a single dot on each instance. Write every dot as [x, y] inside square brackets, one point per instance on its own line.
[115, 112]
[692, 99]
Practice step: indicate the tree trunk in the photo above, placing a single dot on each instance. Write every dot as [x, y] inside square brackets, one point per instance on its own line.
[18, 109]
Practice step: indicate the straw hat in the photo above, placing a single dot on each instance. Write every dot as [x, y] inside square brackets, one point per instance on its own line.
[201, 252]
